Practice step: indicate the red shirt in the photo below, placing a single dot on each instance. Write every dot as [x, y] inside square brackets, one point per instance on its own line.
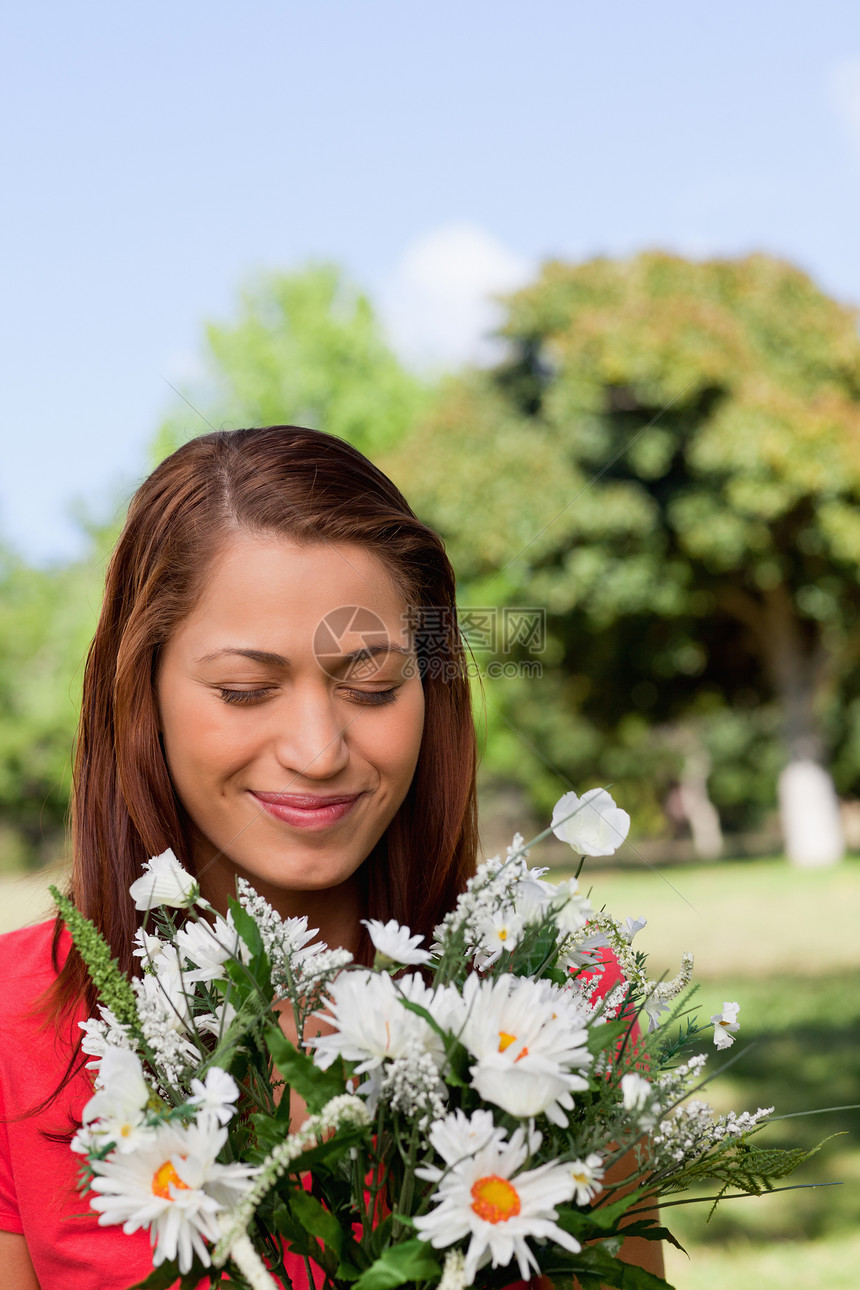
[38, 1176]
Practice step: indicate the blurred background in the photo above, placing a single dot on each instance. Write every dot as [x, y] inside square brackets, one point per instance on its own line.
[584, 281]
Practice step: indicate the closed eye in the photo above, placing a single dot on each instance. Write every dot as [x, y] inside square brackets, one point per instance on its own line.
[243, 696]
[368, 697]
[373, 696]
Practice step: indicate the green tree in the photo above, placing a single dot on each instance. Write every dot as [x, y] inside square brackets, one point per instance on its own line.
[669, 461]
[307, 349]
[47, 617]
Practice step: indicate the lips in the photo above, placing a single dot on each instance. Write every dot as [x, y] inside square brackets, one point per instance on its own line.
[307, 810]
[304, 801]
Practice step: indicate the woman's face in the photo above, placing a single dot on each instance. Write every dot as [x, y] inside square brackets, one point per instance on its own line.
[263, 717]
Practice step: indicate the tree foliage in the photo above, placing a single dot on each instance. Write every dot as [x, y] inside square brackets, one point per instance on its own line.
[47, 617]
[668, 460]
[305, 348]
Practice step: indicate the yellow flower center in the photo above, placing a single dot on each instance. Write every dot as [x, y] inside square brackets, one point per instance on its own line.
[494, 1199]
[505, 1041]
[163, 1177]
[503, 933]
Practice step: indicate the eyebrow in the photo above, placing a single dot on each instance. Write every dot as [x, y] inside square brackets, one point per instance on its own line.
[278, 660]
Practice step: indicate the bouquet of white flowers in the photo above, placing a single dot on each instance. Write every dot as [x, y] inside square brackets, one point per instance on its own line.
[468, 1103]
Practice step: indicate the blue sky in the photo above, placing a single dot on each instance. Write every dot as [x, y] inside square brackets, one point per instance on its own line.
[156, 156]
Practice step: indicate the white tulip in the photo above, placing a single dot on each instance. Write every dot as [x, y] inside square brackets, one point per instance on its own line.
[164, 882]
[592, 824]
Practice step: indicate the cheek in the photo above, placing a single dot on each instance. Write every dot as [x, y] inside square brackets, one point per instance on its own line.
[398, 746]
[197, 741]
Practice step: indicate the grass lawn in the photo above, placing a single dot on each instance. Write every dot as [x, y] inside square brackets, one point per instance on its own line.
[784, 944]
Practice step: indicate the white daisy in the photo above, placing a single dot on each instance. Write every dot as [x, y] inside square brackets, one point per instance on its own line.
[572, 908]
[294, 961]
[483, 1195]
[532, 896]
[456, 1136]
[396, 943]
[581, 951]
[174, 1187]
[639, 1097]
[372, 1026]
[217, 1095]
[499, 933]
[208, 946]
[115, 1112]
[726, 1025]
[529, 1039]
[160, 958]
[149, 947]
[217, 1021]
[635, 1092]
[165, 996]
[631, 927]
[587, 1177]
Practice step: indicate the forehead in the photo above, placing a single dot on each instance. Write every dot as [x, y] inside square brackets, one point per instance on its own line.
[273, 590]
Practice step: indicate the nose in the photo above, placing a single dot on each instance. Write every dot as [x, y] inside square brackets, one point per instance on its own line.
[309, 736]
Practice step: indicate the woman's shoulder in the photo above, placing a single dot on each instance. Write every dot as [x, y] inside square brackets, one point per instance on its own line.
[27, 959]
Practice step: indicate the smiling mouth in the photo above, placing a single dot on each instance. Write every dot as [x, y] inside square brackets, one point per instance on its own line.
[306, 810]
[305, 801]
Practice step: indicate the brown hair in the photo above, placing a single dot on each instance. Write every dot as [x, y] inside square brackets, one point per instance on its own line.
[310, 487]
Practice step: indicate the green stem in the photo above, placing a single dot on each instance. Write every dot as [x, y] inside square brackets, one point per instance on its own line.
[738, 1195]
[408, 1185]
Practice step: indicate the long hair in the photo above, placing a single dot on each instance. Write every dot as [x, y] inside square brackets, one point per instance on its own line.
[309, 487]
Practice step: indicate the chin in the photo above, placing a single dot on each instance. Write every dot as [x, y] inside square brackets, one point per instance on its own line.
[302, 878]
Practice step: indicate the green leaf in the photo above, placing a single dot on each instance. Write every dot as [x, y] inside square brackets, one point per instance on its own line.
[422, 1012]
[605, 1217]
[287, 1226]
[411, 1261]
[596, 1268]
[334, 1148]
[316, 1086]
[191, 1280]
[317, 1220]
[347, 1272]
[161, 1278]
[167, 1275]
[458, 1057]
[601, 1039]
[651, 1231]
[246, 927]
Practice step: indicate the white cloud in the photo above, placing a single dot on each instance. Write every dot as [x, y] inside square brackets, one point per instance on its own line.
[844, 85]
[438, 304]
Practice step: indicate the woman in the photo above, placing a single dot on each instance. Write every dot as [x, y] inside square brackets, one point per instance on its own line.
[262, 696]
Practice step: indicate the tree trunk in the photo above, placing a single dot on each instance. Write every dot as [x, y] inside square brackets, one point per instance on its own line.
[809, 810]
[808, 805]
[699, 809]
